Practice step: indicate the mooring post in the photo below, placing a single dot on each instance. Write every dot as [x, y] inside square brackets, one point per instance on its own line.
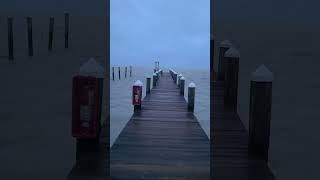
[182, 82]
[119, 73]
[66, 30]
[30, 40]
[51, 25]
[191, 96]
[179, 76]
[224, 46]
[125, 74]
[148, 85]
[154, 80]
[130, 71]
[231, 68]
[260, 113]
[112, 73]
[137, 95]
[10, 37]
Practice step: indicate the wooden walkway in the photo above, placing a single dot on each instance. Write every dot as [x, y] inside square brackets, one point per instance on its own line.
[229, 148]
[162, 141]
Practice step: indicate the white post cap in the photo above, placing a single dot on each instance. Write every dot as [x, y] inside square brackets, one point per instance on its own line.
[138, 83]
[192, 85]
[232, 53]
[225, 44]
[180, 75]
[262, 74]
[92, 68]
[182, 78]
[154, 74]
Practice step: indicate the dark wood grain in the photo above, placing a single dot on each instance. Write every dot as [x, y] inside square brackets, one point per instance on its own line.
[162, 141]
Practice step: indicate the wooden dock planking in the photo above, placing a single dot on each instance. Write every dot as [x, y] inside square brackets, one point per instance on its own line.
[229, 148]
[162, 141]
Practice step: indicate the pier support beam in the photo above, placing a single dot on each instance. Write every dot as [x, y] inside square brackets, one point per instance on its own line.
[148, 85]
[191, 96]
[154, 80]
[119, 73]
[232, 57]
[112, 73]
[224, 46]
[182, 82]
[260, 113]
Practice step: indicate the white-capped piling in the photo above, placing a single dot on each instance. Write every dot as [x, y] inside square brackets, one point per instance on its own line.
[231, 68]
[179, 76]
[154, 80]
[224, 46]
[137, 95]
[182, 82]
[148, 88]
[260, 112]
[191, 96]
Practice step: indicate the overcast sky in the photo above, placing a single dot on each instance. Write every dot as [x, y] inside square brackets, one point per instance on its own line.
[174, 32]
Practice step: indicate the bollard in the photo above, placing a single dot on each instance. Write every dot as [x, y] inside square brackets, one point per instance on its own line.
[66, 30]
[137, 95]
[87, 93]
[179, 76]
[51, 25]
[191, 96]
[224, 46]
[154, 81]
[148, 85]
[182, 82]
[112, 73]
[130, 71]
[10, 37]
[119, 73]
[30, 40]
[231, 78]
[125, 74]
[260, 113]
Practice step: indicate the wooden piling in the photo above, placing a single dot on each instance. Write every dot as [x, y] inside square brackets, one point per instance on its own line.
[232, 57]
[119, 73]
[211, 52]
[179, 76]
[66, 30]
[112, 73]
[182, 82]
[260, 113]
[30, 40]
[148, 88]
[224, 46]
[10, 38]
[191, 96]
[51, 29]
[125, 74]
[130, 71]
[154, 81]
[139, 106]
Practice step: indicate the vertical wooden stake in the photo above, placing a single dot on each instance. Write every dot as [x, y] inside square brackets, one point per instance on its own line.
[130, 71]
[51, 25]
[260, 113]
[112, 73]
[191, 96]
[148, 85]
[224, 46]
[231, 68]
[154, 81]
[10, 38]
[119, 73]
[182, 82]
[30, 40]
[125, 74]
[66, 30]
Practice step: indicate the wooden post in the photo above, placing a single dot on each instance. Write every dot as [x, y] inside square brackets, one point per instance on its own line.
[66, 30]
[154, 81]
[224, 46]
[30, 40]
[180, 75]
[148, 85]
[182, 82]
[125, 74]
[231, 78]
[260, 113]
[119, 73]
[10, 38]
[139, 84]
[51, 25]
[112, 73]
[211, 52]
[191, 96]
[175, 78]
[130, 71]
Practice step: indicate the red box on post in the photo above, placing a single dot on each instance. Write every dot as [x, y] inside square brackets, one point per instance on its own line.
[136, 95]
[85, 107]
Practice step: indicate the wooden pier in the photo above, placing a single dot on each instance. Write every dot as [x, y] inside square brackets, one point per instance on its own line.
[162, 140]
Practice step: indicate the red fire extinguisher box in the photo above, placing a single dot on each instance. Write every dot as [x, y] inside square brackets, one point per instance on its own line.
[85, 107]
[136, 94]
